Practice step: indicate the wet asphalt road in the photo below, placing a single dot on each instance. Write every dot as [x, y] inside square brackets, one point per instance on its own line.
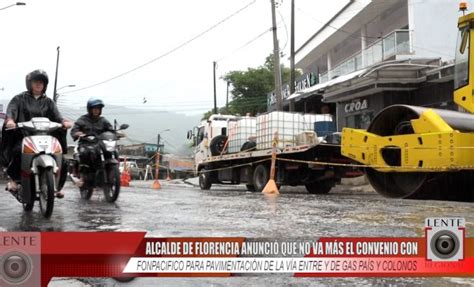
[181, 209]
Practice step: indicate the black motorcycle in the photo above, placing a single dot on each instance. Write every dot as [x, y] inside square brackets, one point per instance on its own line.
[96, 162]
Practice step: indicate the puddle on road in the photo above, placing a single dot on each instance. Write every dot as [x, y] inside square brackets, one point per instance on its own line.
[99, 215]
[272, 201]
[225, 210]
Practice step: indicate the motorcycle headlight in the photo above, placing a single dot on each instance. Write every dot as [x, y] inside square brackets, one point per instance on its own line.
[110, 145]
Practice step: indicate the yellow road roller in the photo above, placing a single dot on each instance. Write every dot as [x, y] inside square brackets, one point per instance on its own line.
[416, 152]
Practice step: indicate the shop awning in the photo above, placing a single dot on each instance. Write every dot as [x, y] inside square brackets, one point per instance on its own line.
[319, 88]
[400, 74]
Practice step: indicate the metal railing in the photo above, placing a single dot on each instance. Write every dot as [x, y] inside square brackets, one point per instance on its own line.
[396, 43]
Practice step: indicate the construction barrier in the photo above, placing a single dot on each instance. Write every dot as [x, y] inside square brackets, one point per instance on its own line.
[271, 187]
[156, 183]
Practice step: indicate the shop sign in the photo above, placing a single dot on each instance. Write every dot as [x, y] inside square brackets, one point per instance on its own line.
[355, 106]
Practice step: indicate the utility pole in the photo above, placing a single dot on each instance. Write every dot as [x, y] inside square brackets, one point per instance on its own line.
[292, 56]
[215, 96]
[156, 183]
[158, 143]
[55, 95]
[227, 98]
[276, 57]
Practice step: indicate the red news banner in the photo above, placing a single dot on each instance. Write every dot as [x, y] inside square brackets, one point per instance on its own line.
[130, 254]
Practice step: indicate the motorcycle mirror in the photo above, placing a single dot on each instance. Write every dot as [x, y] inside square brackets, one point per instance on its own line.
[190, 135]
[123, 127]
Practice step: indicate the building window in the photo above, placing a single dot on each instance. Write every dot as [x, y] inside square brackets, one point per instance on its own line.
[360, 120]
[461, 69]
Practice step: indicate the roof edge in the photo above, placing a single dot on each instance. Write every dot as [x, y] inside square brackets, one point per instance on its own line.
[325, 25]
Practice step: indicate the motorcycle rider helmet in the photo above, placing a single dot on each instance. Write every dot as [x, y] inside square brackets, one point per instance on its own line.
[94, 103]
[37, 75]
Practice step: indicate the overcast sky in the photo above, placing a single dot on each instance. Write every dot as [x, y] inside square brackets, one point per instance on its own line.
[102, 39]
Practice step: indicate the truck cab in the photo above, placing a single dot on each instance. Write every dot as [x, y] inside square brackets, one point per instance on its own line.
[210, 136]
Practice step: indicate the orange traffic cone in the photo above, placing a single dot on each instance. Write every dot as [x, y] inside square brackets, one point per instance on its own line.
[156, 184]
[125, 178]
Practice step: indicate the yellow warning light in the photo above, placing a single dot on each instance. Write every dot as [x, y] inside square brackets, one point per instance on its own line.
[462, 6]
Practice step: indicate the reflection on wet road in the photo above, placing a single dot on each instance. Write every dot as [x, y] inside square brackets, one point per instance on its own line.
[182, 210]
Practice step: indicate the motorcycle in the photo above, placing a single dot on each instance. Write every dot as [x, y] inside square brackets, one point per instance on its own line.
[41, 162]
[96, 162]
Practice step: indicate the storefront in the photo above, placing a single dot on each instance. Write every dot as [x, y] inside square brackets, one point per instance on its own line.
[359, 112]
[356, 113]
[359, 100]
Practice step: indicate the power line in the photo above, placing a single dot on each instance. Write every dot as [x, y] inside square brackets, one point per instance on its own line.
[192, 104]
[166, 53]
[246, 44]
[335, 28]
[255, 39]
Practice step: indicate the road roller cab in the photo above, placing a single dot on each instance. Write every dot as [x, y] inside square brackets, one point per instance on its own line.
[417, 152]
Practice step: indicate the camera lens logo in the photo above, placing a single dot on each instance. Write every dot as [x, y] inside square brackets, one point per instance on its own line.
[15, 267]
[445, 239]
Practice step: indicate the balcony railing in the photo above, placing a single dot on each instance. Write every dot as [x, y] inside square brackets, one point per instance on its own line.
[396, 43]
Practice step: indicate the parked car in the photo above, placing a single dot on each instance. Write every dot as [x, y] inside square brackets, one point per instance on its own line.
[135, 171]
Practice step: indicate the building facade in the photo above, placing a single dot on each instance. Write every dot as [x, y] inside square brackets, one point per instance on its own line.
[375, 53]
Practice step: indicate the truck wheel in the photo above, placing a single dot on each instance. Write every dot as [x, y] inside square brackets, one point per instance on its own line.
[217, 145]
[205, 180]
[261, 174]
[319, 187]
[248, 146]
[250, 187]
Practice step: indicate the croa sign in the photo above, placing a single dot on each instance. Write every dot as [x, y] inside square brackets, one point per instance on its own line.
[355, 106]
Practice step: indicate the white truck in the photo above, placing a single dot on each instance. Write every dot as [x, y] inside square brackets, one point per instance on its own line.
[235, 150]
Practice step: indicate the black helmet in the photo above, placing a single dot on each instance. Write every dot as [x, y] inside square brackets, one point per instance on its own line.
[37, 75]
[94, 103]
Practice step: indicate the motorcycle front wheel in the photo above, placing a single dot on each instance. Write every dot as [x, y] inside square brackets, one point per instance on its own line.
[112, 186]
[86, 192]
[87, 186]
[28, 206]
[46, 196]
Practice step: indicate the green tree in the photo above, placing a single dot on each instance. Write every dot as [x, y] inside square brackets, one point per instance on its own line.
[251, 87]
